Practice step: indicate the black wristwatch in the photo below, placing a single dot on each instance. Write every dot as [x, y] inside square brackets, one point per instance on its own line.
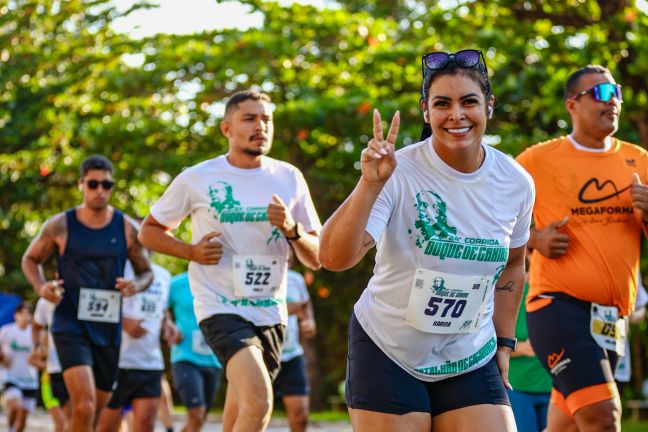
[507, 342]
[297, 235]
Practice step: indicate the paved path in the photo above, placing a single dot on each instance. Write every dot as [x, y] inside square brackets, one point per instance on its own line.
[39, 421]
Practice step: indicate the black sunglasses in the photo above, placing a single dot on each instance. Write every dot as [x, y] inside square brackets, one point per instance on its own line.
[468, 58]
[94, 184]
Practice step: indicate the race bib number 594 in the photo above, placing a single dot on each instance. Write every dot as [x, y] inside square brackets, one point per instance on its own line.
[99, 305]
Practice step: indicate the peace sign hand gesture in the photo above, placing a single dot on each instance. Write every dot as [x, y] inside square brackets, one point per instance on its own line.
[377, 160]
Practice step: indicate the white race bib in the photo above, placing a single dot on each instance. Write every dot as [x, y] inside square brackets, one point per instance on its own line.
[607, 329]
[99, 305]
[447, 303]
[257, 275]
[198, 344]
[147, 306]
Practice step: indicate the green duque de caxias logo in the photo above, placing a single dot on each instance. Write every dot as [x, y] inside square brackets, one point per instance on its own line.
[437, 237]
[226, 209]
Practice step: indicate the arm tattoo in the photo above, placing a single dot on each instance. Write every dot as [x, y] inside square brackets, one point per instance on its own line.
[136, 252]
[45, 242]
[132, 232]
[141, 266]
[139, 261]
[508, 286]
[59, 226]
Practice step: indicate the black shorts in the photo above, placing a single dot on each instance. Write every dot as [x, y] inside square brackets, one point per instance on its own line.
[196, 385]
[375, 383]
[135, 384]
[581, 370]
[77, 350]
[26, 393]
[58, 388]
[227, 334]
[292, 380]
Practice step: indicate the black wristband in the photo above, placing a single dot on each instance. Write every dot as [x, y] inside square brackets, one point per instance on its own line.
[507, 342]
[297, 235]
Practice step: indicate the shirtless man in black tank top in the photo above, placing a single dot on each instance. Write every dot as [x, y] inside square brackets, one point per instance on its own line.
[92, 243]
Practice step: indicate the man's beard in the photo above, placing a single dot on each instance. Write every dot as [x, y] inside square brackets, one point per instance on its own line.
[255, 152]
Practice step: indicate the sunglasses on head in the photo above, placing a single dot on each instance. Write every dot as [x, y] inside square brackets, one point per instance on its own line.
[94, 184]
[602, 92]
[439, 60]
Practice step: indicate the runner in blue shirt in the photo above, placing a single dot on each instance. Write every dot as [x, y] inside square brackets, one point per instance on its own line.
[195, 369]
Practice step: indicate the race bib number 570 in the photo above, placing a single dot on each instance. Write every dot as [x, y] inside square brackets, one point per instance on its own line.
[447, 303]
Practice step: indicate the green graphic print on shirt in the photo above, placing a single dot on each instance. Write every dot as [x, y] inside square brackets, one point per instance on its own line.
[437, 237]
[16, 347]
[229, 210]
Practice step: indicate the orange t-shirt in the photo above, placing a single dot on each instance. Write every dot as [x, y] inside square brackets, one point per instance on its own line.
[604, 230]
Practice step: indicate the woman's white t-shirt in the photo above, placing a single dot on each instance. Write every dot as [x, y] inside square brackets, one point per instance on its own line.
[454, 227]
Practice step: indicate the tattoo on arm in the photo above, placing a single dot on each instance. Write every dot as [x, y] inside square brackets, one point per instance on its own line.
[508, 286]
[139, 260]
[131, 232]
[45, 241]
[59, 226]
[136, 252]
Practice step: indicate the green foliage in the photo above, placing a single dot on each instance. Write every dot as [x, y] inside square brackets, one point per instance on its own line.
[634, 426]
[71, 87]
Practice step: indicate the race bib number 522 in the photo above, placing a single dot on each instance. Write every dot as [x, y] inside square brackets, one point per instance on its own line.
[257, 275]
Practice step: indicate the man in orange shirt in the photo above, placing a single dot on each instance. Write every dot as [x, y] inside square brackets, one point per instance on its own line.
[591, 204]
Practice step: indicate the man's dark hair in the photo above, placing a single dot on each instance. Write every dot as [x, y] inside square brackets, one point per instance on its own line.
[95, 162]
[571, 86]
[234, 100]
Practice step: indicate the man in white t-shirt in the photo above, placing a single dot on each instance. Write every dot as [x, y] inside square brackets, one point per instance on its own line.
[247, 210]
[53, 391]
[22, 378]
[140, 358]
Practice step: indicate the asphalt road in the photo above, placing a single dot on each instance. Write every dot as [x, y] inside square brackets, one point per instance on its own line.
[39, 421]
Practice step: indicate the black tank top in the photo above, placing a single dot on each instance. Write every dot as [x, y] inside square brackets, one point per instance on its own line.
[93, 258]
